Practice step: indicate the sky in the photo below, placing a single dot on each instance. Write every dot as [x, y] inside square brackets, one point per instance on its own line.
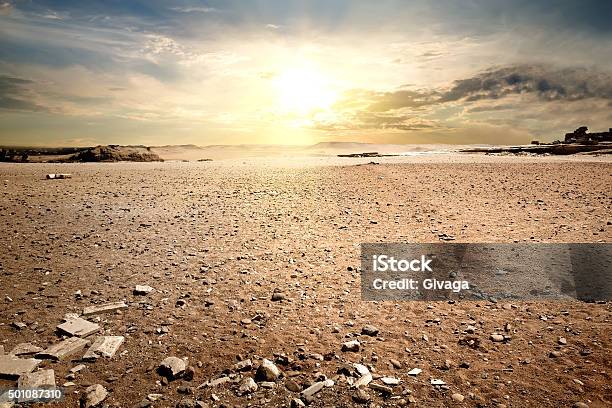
[83, 73]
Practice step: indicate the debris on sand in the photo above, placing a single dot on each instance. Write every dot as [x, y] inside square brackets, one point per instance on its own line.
[58, 176]
[13, 367]
[267, 371]
[141, 290]
[75, 326]
[93, 396]
[64, 348]
[352, 346]
[172, 367]
[107, 307]
[103, 346]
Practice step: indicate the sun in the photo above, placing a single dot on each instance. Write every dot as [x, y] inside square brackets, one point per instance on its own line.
[303, 90]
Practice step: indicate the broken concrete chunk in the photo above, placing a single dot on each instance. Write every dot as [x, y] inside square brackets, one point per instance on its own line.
[267, 371]
[142, 290]
[107, 307]
[313, 389]
[415, 371]
[103, 346]
[361, 369]
[172, 367]
[37, 379]
[93, 396]
[25, 349]
[13, 367]
[75, 326]
[64, 348]
[381, 388]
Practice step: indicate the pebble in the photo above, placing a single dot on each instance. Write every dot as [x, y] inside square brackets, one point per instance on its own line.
[93, 396]
[369, 330]
[141, 290]
[415, 371]
[496, 338]
[457, 397]
[390, 380]
[562, 341]
[247, 386]
[360, 396]
[352, 345]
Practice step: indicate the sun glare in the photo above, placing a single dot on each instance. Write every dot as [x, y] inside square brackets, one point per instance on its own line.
[301, 91]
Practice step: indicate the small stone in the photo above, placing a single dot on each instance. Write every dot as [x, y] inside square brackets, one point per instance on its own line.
[390, 380]
[496, 338]
[457, 397]
[415, 371]
[352, 346]
[247, 386]
[381, 388]
[189, 373]
[77, 368]
[291, 385]
[244, 365]
[297, 403]
[267, 371]
[562, 341]
[277, 297]
[369, 330]
[184, 389]
[396, 364]
[361, 369]
[141, 290]
[313, 389]
[435, 381]
[360, 396]
[363, 381]
[93, 396]
[580, 405]
[172, 367]
[555, 354]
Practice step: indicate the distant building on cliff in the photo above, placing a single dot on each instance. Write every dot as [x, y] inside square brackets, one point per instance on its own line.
[581, 136]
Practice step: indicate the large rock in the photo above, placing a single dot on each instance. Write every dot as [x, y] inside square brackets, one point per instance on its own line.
[13, 367]
[75, 326]
[247, 386]
[64, 348]
[103, 346]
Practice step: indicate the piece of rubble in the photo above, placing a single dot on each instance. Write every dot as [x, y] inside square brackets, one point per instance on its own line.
[58, 176]
[103, 346]
[435, 381]
[278, 296]
[142, 290]
[247, 386]
[352, 345]
[363, 381]
[218, 381]
[107, 307]
[75, 326]
[37, 379]
[496, 338]
[13, 367]
[361, 369]
[244, 365]
[415, 371]
[457, 397]
[172, 367]
[25, 349]
[267, 371]
[312, 390]
[77, 368]
[360, 396]
[369, 330]
[64, 348]
[390, 380]
[93, 396]
[297, 403]
[383, 389]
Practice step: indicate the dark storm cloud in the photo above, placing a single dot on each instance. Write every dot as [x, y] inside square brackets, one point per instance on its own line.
[548, 84]
[15, 95]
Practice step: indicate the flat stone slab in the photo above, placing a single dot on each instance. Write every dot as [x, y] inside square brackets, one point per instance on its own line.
[78, 327]
[14, 367]
[25, 349]
[37, 379]
[64, 348]
[107, 307]
[103, 346]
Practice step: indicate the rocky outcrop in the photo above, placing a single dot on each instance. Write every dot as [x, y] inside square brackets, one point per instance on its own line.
[114, 153]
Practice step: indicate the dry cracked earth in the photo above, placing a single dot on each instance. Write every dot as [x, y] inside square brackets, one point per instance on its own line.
[260, 262]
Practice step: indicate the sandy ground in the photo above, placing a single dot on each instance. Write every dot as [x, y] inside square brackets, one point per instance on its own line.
[216, 239]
